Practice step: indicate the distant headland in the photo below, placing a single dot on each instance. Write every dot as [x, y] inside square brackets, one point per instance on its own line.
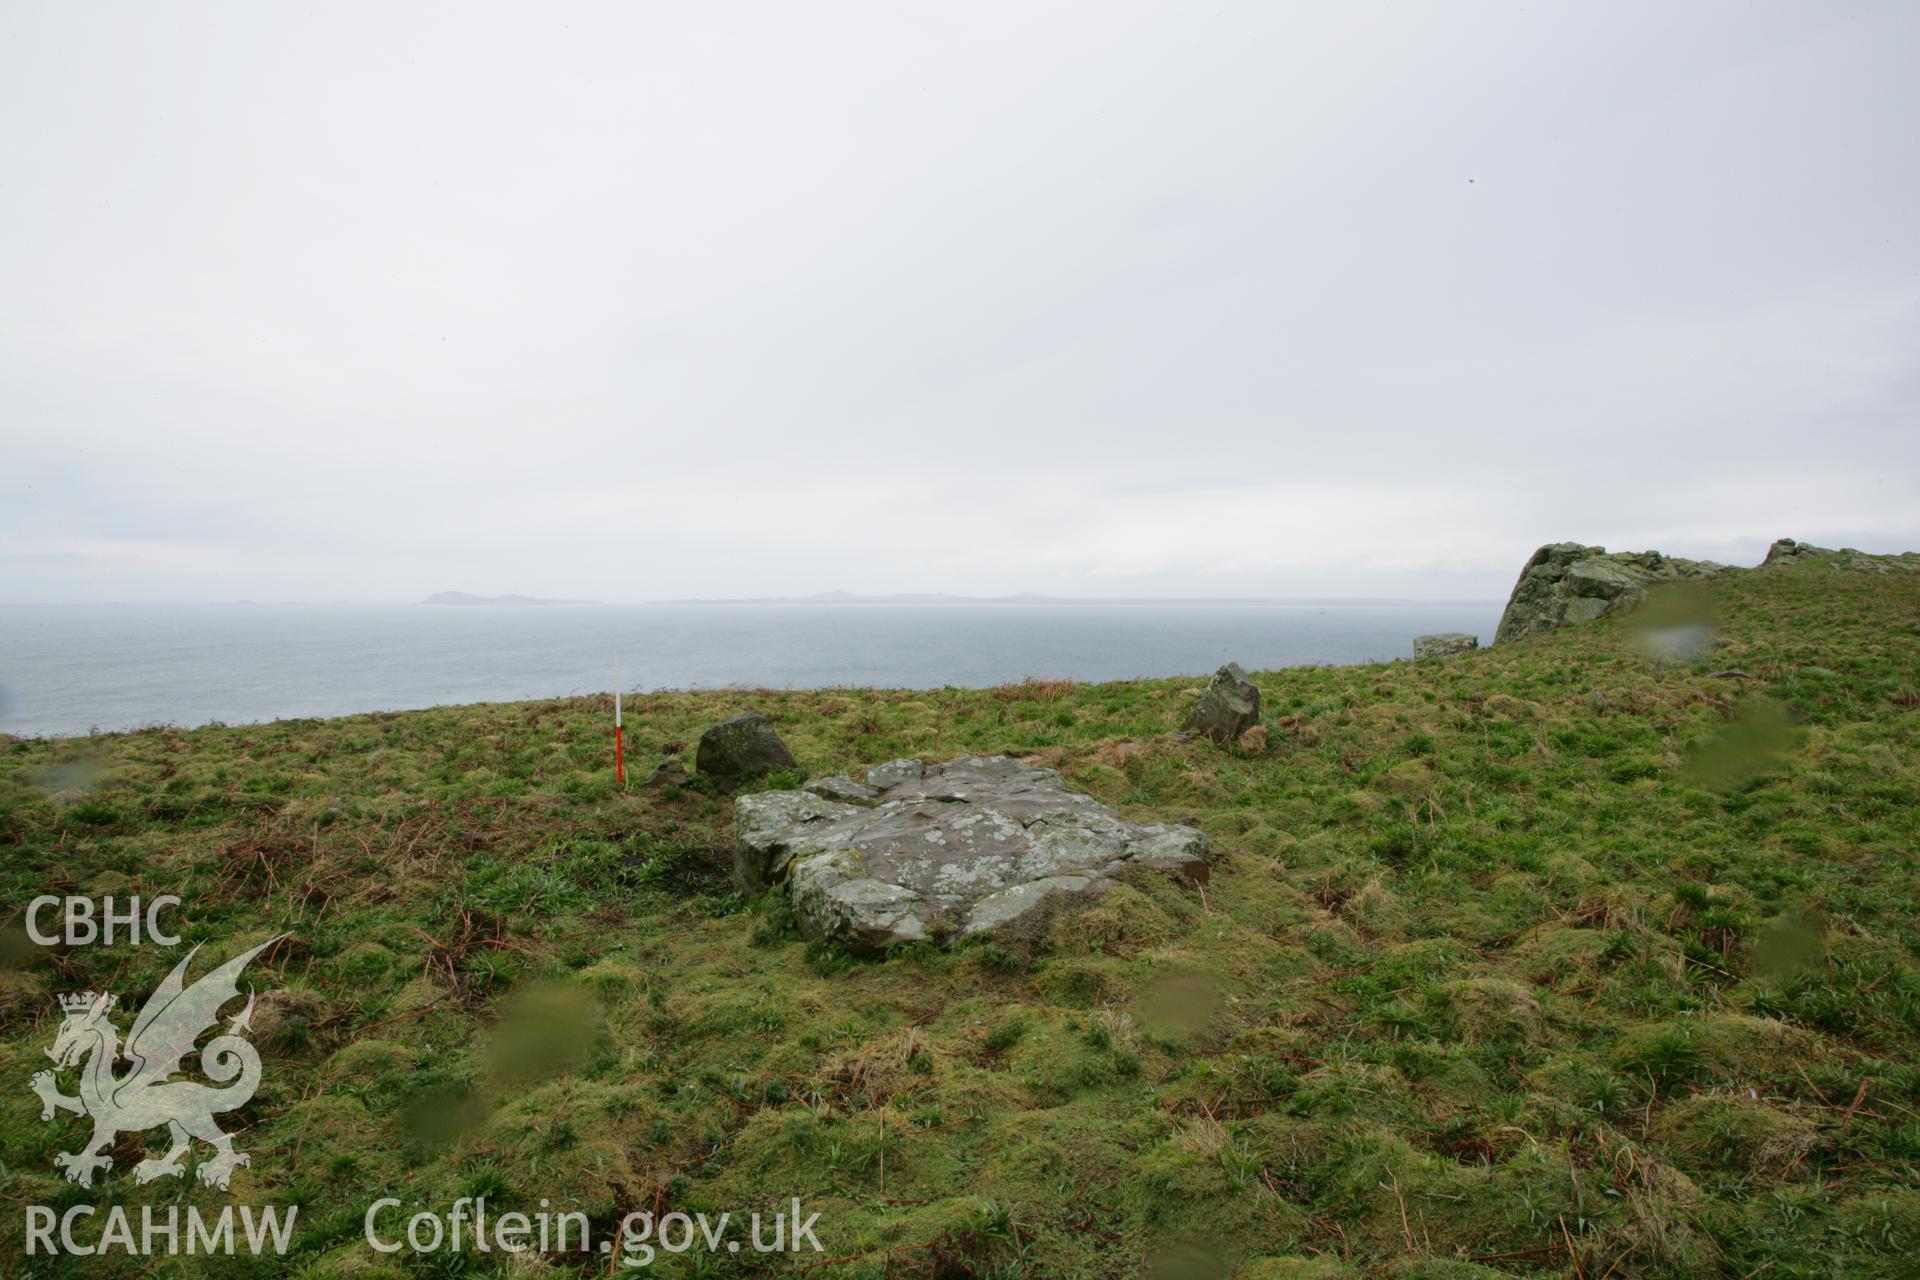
[462, 597]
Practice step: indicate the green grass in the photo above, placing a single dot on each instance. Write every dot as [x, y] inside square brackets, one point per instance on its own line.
[1546, 961]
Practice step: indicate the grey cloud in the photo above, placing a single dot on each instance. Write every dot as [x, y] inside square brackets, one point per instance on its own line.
[1261, 299]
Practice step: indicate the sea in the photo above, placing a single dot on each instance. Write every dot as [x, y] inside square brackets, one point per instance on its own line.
[71, 669]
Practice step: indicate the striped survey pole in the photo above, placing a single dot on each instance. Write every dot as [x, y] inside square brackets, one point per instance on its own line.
[619, 746]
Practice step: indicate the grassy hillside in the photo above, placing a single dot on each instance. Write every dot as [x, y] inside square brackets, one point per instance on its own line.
[1548, 960]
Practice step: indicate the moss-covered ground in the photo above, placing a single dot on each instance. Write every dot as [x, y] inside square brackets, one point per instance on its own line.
[1556, 959]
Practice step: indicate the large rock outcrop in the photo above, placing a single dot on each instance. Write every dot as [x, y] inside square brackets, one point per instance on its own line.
[1565, 583]
[737, 750]
[1226, 708]
[943, 851]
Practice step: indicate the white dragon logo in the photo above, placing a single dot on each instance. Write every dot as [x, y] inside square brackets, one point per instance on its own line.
[147, 1096]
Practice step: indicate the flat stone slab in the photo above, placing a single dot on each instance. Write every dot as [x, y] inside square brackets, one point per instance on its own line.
[941, 851]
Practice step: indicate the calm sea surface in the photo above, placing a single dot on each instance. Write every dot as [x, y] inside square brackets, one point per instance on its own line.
[68, 669]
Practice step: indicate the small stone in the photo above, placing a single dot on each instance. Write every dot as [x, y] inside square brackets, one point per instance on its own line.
[668, 773]
[1444, 644]
[743, 748]
[1227, 707]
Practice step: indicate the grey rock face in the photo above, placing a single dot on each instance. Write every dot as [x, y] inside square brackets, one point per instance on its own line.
[942, 851]
[1444, 644]
[1227, 707]
[742, 748]
[1565, 583]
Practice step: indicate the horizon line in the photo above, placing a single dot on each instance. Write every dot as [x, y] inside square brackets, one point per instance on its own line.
[902, 599]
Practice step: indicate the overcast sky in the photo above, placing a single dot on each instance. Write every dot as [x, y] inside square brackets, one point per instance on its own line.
[630, 300]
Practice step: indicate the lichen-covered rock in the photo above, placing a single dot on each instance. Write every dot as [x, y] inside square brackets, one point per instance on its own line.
[1444, 644]
[940, 852]
[1565, 583]
[737, 750]
[1787, 551]
[1226, 708]
[767, 829]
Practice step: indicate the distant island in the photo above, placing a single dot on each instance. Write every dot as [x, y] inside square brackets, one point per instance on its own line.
[462, 597]
[848, 597]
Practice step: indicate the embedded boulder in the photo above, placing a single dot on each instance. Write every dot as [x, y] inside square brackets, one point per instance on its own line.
[1226, 708]
[1565, 583]
[741, 749]
[938, 852]
[1444, 644]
